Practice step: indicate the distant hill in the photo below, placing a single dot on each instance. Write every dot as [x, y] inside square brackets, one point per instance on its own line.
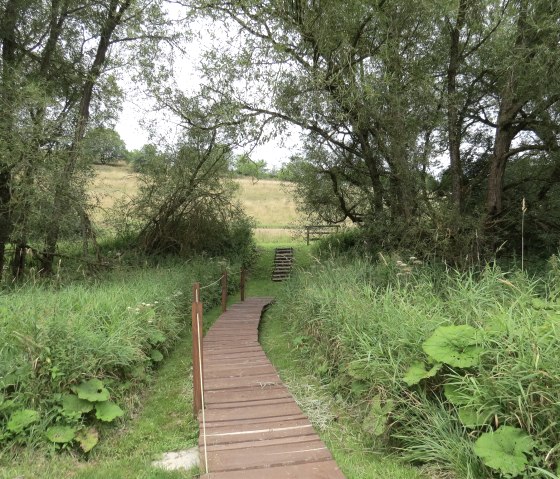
[268, 201]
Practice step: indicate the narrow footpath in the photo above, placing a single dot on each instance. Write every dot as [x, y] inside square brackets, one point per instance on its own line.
[253, 426]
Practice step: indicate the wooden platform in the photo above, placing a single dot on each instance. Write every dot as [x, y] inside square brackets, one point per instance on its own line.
[254, 428]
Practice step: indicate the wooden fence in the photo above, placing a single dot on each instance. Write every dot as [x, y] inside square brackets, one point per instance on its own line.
[198, 332]
[314, 232]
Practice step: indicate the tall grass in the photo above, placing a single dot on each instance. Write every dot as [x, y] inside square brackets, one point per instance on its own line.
[54, 338]
[364, 324]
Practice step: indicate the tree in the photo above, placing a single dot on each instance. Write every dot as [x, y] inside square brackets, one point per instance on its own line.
[243, 165]
[383, 89]
[55, 59]
[186, 203]
[104, 146]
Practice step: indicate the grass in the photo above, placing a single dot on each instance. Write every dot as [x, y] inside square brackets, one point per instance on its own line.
[269, 202]
[161, 415]
[342, 434]
[99, 329]
[353, 450]
[361, 326]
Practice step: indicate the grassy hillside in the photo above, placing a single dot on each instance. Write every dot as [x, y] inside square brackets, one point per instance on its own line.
[269, 202]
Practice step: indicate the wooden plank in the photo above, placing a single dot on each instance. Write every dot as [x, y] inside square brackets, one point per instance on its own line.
[267, 456]
[316, 470]
[254, 428]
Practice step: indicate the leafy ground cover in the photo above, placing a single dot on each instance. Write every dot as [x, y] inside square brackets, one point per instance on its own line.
[456, 371]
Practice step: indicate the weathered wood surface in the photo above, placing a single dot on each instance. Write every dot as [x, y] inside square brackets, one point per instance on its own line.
[254, 428]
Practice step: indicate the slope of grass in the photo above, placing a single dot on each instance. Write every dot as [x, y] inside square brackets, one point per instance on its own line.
[269, 202]
[99, 329]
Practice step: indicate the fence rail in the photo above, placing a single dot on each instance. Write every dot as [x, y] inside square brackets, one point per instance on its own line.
[197, 329]
[314, 232]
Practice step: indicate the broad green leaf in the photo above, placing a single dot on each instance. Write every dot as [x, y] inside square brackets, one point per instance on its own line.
[156, 355]
[19, 420]
[455, 395]
[157, 337]
[505, 450]
[92, 390]
[87, 438]
[376, 421]
[73, 405]
[472, 417]
[60, 434]
[454, 345]
[107, 411]
[417, 372]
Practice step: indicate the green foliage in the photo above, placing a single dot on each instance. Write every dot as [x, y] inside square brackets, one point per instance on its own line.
[473, 418]
[20, 420]
[156, 356]
[186, 204]
[244, 166]
[72, 405]
[454, 345]
[107, 411]
[375, 422]
[88, 438]
[505, 450]
[103, 146]
[418, 371]
[92, 390]
[110, 329]
[60, 434]
[491, 345]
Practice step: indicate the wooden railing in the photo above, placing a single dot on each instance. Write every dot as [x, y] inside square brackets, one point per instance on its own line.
[197, 324]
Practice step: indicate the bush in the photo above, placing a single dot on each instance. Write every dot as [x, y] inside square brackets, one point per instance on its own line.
[434, 360]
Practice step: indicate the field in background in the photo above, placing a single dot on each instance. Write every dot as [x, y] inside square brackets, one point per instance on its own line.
[269, 202]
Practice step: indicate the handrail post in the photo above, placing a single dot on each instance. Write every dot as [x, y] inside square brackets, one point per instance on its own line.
[242, 284]
[224, 291]
[308, 229]
[197, 352]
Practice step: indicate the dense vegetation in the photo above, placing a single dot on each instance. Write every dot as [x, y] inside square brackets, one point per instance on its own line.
[387, 93]
[68, 351]
[455, 370]
[432, 127]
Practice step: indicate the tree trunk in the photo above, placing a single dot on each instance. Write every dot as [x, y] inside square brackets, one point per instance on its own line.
[502, 143]
[454, 122]
[8, 24]
[510, 106]
[60, 201]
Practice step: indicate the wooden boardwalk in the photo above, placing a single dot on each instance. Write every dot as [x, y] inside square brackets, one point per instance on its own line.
[254, 428]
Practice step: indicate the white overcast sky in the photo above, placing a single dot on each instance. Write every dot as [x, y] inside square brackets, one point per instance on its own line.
[139, 110]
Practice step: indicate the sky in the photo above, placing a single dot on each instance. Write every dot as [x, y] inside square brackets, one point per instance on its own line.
[138, 111]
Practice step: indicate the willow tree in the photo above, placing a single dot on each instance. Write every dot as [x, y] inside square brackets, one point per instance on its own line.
[353, 74]
[57, 59]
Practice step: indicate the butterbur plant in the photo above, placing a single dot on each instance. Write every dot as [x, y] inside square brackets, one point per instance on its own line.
[90, 396]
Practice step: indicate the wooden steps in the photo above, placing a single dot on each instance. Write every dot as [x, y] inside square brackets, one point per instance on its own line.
[254, 428]
[283, 262]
